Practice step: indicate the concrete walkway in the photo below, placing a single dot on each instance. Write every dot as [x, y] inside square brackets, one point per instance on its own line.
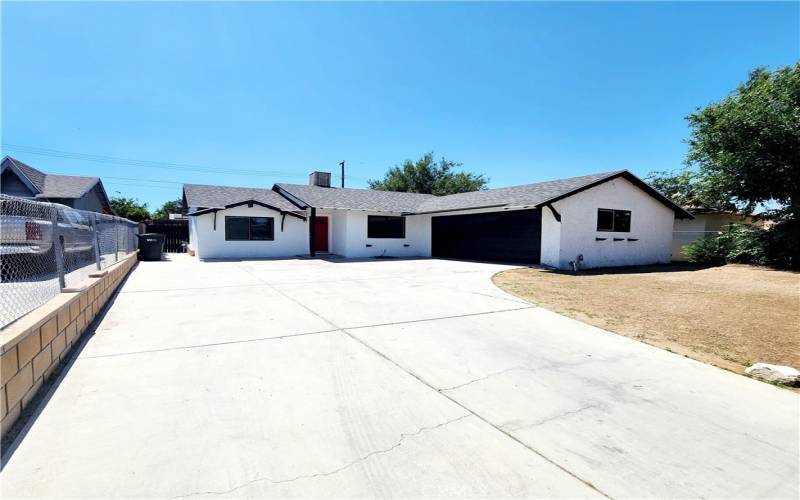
[415, 378]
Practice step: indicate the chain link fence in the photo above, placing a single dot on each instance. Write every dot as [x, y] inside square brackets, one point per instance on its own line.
[45, 247]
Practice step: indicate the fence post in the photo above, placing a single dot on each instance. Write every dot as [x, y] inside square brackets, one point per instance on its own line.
[58, 252]
[96, 242]
[116, 240]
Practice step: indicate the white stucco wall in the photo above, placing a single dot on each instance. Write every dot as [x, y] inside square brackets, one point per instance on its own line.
[551, 239]
[192, 234]
[418, 237]
[211, 244]
[337, 231]
[651, 226]
[684, 232]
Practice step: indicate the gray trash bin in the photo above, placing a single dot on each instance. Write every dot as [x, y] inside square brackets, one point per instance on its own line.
[151, 246]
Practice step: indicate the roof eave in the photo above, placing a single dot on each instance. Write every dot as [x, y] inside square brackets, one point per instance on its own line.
[245, 202]
[291, 198]
[459, 209]
[25, 179]
[680, 213]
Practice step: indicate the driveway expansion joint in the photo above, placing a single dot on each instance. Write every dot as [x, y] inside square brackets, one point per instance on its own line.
[432, 387]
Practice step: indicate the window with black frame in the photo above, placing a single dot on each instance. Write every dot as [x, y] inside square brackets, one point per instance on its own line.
[386, 226]
[617, 221]
[249, 228]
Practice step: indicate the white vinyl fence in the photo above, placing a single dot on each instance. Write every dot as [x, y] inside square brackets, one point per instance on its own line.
[45, 247]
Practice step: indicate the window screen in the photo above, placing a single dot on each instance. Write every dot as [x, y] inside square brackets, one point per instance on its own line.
[385, 226]
[249, 228]
[618, 221]
[261, 228]
[605, 220]
[622, 221]
[237, 228]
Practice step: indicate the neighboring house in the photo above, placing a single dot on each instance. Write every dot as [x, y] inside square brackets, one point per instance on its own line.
[607, 219]
[84, 193]
[706, 222]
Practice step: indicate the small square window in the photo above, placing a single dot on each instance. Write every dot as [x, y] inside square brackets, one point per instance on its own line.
[618, 221]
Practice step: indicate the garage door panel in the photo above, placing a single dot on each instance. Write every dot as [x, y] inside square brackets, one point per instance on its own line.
[513, 236]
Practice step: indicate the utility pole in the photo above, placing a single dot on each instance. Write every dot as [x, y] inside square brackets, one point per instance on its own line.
[341, 164]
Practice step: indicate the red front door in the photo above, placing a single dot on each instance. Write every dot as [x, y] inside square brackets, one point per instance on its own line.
[321, 234]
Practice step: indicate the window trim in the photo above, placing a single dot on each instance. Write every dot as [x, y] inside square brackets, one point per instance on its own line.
[371, 217]
[250, 228]
[613, 220]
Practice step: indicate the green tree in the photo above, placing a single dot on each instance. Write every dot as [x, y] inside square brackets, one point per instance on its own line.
[169, 207]
[130, 208]
[430, 177]
[684, 187]
[744, 153]
[747, 146]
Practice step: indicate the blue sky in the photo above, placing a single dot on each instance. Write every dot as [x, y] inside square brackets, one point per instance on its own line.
[522, 92]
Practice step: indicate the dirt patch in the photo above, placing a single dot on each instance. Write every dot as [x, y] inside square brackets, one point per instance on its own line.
[730, 316]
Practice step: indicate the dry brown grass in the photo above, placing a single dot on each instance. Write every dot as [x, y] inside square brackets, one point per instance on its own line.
[730, 316]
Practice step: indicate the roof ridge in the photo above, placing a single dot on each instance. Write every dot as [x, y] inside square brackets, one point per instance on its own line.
[73, 176]
[593, 176]
[336, 188]
[225, 186]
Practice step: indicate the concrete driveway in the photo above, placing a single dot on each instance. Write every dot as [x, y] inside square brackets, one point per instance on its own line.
[408, 378]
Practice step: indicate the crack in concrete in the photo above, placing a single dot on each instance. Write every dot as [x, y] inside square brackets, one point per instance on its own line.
[493, 374]
[550, 419]
[543, 366]
[432, 387]
[403, 437]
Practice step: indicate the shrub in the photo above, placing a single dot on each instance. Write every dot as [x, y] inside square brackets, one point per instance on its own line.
[782, 244]
[739, 243]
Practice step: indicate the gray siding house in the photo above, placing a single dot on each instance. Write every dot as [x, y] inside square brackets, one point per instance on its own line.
[83, 193]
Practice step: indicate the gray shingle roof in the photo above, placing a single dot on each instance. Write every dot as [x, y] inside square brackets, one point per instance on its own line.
[528, 195]
[66, 186]
[387, 201]
[55, 186]
[205, 196]
[515, 196]
[356, 199]
[35, 176]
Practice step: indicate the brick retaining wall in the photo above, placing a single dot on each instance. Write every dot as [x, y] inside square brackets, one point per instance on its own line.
[34, 345]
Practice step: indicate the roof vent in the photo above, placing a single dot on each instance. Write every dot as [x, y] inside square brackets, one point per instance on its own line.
[321, 179]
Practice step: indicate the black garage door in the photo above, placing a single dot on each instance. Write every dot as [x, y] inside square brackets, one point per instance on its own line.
[513, 236]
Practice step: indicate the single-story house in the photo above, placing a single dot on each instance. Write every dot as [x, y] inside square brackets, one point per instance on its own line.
[606, 219]
[24, 181]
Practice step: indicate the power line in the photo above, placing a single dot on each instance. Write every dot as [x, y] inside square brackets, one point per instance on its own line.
[185, 167]
[139, 163]
[145, 180]
[140, 185]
